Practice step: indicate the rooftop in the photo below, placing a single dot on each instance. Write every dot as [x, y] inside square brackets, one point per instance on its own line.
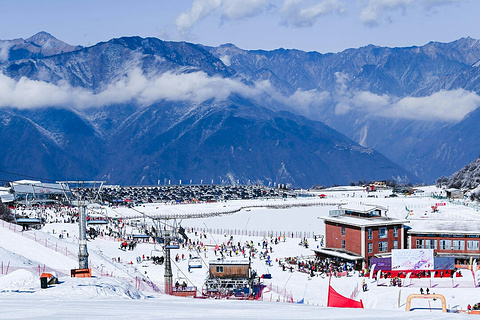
[339, 253]
[445, 226]
[230, 261]
[363, 221]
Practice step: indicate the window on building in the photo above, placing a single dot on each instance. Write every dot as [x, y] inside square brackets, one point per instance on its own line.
[395, 231]
[369, 234]
[343, 244]
[458, 244]
[445, 244]
[395, 244]
[370, 247]
[343, 231]
[472, 245]
[383, 246]
[219, 269]
[430, 244]
[420, 244]
[382, 232]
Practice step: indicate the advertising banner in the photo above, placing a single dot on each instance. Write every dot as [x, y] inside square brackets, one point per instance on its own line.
[412, 259]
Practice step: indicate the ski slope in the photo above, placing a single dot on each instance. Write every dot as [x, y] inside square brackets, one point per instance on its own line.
[120, 289]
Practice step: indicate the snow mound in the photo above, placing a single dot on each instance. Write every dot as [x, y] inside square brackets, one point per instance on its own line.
[95, 288]
[108, 287]
[22, 281]
[19, 280]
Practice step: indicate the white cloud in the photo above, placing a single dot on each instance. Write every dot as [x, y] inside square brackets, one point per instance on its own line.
[240, 9]
[374, 11]
[431, 4]
[27, 93]
[199, 10]
[197, 87]
[299, 13]
[133, 87]
[229, 10]
[445, 105]
[302, 100]
[304, 13]
[4, 48]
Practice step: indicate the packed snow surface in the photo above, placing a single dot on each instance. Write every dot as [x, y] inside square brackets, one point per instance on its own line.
[126, 284]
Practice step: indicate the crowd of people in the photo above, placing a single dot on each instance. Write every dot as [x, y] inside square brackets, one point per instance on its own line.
[119, 195]
[316, 266]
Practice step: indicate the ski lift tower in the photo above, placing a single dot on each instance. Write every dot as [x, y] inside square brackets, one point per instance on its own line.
[171, 234]
[81, 200]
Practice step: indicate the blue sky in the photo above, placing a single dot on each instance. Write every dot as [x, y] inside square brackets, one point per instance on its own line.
[312, 25]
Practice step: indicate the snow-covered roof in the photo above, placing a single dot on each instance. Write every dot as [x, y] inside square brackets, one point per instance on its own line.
[230, 261]
[360, 208]
[364, 222]
[445, 226]
[452, 190]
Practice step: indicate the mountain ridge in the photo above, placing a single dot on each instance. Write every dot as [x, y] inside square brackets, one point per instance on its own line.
[309, 84]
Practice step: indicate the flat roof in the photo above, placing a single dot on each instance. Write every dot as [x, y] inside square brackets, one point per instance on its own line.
[28, 221]
[97, 222]
[39, 188]
[363, 221]
[444, 226]
[361, 208]
[230, 261]
[339, 253]
[142, 236]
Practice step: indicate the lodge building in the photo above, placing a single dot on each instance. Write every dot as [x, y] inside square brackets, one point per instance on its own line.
[363, 230]
[459, 239]
[354, 232]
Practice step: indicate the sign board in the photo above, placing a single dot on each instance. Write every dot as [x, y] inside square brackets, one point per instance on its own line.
[440, 204]
[412, 259]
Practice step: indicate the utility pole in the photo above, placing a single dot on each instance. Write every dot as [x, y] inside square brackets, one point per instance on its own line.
[81, 202]
[82, 239]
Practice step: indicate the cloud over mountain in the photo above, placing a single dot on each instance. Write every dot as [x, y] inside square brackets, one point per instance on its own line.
[4, 47]
[445, 105]
[134, 86]
[197, 87]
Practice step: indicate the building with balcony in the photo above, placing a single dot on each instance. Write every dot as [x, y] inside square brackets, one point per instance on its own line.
[459, 239]
[364, 230]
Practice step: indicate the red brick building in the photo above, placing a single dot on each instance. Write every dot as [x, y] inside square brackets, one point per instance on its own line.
[364, 230]
[459, 239]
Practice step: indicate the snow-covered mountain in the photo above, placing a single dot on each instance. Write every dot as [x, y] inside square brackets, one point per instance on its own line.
[466, 178]
[39, 45]
[142, 110]
[373, 94]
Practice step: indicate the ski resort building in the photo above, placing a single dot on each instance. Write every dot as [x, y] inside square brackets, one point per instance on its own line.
[453, 193]
[460, 239]
[231, 277]
[363, 230]
[32, 192]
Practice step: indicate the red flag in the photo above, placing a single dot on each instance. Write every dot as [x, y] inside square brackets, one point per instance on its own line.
[336, 300]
